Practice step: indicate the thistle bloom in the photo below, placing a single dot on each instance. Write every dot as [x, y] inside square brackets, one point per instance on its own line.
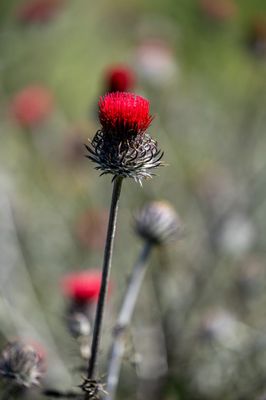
[32, 105]
[158, 223]
[82, 287]
[22, 363]
[122, 147]
[119, 79]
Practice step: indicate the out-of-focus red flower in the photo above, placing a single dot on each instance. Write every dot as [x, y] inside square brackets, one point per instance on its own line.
[119, 79]
[82, 286]
[32, 105]
[91, 228]
[38, 11]
[124, 113]
[219, 10]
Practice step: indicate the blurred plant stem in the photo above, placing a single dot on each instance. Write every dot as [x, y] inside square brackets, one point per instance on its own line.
[57, 394]
[124, 319]
[105, 277]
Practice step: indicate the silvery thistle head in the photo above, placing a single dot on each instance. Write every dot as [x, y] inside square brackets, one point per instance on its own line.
[122, 147]
[158, 223]
[21, 363]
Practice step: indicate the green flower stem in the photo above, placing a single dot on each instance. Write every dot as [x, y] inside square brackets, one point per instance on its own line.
[124, 319]
[105, 277]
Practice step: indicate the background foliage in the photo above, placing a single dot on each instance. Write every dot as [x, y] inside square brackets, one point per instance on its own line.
[202, 311]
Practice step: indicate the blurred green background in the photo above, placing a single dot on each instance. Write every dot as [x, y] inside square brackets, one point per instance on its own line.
[202, 66]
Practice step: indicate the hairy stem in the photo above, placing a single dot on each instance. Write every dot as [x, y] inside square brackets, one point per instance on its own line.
[105, 277]
[124, 319]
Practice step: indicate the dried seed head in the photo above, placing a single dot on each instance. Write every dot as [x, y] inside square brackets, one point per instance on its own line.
[122, 147]
[158, 223]
[21, 363]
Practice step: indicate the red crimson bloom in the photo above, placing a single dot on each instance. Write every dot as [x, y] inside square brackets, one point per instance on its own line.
[119, 79]
[124, 113]
[82, 286]
[38, 10]
[32, 105]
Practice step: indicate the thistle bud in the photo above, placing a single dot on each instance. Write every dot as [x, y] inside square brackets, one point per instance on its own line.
[158, 223]
[21, 363]
[78, 325]
[122, 147]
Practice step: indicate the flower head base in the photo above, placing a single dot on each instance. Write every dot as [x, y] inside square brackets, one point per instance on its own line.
[21, 363]
[119, 79]
[83, 287]
[122, 147]
[158, 223]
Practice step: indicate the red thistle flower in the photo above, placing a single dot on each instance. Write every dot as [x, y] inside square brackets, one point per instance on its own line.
[124, 113]
[82, 287]
[32, 105]
[38, 10]
[122, 147]
[119, 79]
